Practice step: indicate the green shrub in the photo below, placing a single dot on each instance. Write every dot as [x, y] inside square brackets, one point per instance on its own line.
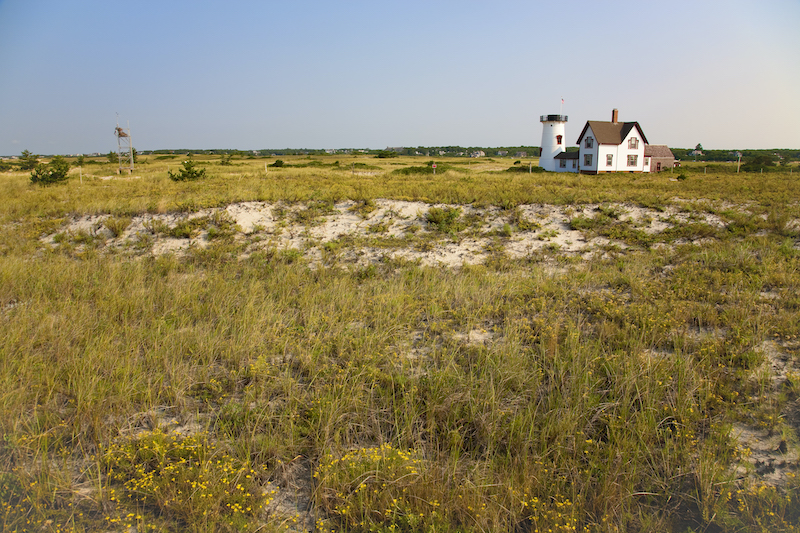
[441, 168]
[526, 168]
[278, 163]
[53, 172]
[444, 219]
[188, 172]
[28, 161]
[758, 163]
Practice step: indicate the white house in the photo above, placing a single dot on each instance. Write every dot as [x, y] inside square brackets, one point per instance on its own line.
[603, 147]
[612, 147]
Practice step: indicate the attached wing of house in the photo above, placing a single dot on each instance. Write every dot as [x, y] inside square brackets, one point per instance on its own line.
[567, 162]
[661, 157]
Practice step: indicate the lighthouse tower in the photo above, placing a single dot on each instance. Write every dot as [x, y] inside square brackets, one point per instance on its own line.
[554, 140]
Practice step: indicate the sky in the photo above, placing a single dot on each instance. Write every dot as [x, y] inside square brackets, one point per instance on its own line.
[370, 74]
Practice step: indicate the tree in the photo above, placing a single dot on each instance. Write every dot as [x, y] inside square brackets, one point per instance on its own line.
[53, 172]
[28, 161]
[113, 157]
[699, 147]
[188, 172]
[79, 161]
[758, 162]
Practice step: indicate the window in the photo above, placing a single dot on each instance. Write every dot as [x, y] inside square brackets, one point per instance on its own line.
[574, 162]
[587, 160]
[633, 160]
[589, 142]
[609, 160]
[633, 143]
[658, 166]
[558, 139]
[563, 163]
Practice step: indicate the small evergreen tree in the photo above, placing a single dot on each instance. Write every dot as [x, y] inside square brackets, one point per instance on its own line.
[188, 172]
[53, 172]
[28, 161]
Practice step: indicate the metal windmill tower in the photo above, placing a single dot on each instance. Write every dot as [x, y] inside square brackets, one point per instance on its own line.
[124, 149]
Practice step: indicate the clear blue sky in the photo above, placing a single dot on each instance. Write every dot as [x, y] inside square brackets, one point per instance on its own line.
[370, 74]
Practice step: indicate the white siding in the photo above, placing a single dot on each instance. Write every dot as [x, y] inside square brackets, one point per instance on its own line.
[603, 152]
[568, 166]
[638, 151]
[550, 147]
[584, 151]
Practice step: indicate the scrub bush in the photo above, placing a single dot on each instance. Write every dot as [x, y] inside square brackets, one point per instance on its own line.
[53, 172]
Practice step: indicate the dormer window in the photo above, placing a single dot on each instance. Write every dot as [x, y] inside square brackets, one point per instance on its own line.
[589, 142]
[633, 143]
[558, 139]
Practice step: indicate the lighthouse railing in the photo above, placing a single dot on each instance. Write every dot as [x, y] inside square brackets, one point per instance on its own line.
[553, 118]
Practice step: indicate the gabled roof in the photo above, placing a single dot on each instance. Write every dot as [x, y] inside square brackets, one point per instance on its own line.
[658, 150]
[568, 155]
[611, 132]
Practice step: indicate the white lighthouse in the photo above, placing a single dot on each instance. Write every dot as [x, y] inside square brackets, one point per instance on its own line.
[554, 140]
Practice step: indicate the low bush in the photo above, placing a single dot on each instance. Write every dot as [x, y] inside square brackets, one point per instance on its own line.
[444, 219]
[188, 173]
[525, 168]
[441, 168]
[54, 172]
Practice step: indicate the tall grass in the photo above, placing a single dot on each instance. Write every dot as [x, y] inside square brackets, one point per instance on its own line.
[592, 397]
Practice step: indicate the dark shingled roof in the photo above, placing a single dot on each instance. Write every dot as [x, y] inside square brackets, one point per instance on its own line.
[658, 150]
[611, 132]
[567, 155]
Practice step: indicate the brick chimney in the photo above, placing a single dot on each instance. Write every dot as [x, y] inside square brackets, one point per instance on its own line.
[614, 115]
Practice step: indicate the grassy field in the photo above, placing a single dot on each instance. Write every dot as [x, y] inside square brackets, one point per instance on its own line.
[650, 386]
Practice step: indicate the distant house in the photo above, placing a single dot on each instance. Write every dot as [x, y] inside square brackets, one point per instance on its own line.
[478, 153]
[521, 154]
[661, 157]
[502, 153]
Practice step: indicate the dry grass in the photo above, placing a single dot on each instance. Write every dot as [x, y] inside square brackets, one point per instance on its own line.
[545, 392]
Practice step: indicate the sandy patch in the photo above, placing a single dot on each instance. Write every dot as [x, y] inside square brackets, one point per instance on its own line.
[281, 227]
